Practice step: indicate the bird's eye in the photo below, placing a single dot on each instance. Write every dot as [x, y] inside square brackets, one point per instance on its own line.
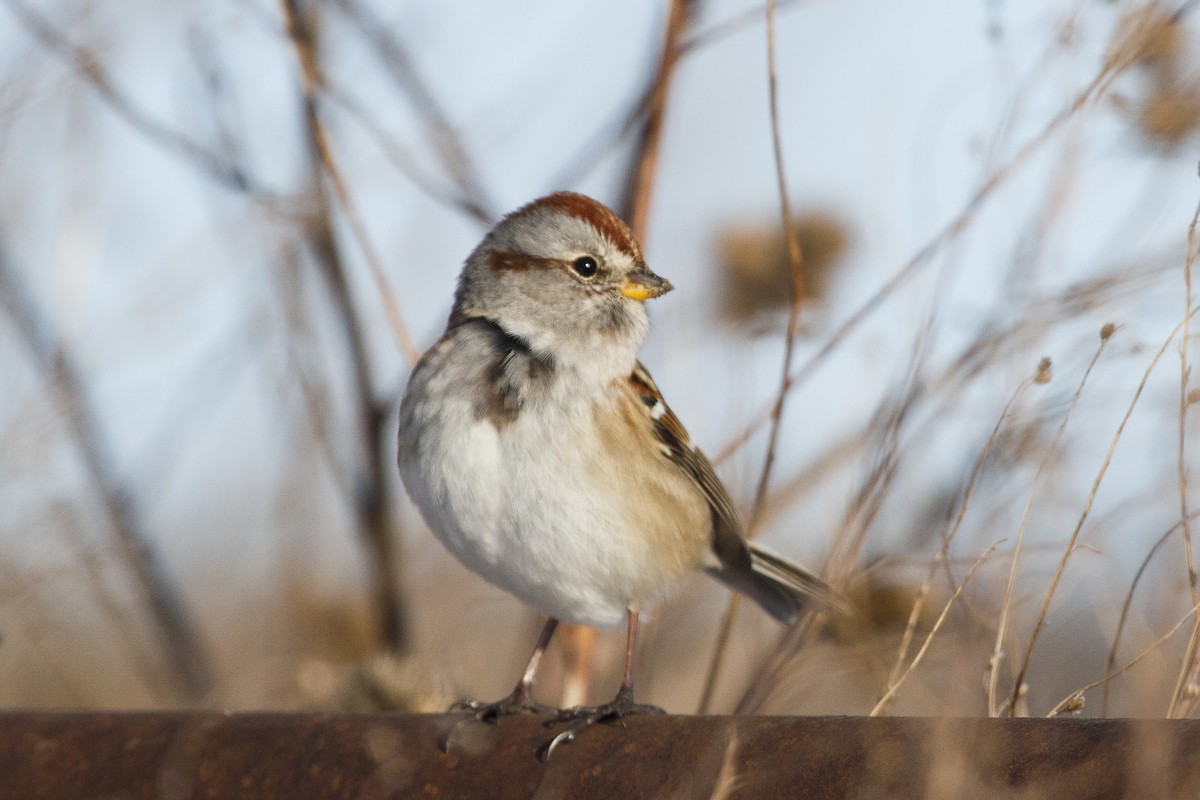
[585, 266]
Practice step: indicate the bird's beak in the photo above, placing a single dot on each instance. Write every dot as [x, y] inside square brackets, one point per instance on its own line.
[642, 284]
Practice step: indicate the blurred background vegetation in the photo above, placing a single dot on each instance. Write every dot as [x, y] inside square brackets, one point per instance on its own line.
[227, 229]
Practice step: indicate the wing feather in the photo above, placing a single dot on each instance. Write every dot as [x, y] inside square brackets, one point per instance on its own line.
[779, 586]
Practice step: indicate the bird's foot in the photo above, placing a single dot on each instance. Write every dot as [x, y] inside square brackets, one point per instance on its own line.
[584, 717]
[519, 702]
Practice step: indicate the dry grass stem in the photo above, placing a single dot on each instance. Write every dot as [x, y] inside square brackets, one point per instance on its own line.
[1070, 547]
[1184, 376]
[795, 263]
[370, 496]
[1116, 64]
[1010, 586]
[1077, 695]
[1127, 605]
[896, 682]
[943, 549]
[712, 676]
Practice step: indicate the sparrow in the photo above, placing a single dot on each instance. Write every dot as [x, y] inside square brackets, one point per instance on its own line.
[541, 453]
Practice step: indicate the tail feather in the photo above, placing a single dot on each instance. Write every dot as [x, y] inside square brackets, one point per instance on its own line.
[785, 589]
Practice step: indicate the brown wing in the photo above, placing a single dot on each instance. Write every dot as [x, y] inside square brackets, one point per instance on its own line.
[780, 587]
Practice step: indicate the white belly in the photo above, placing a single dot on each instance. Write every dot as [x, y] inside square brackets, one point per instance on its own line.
[525, 508]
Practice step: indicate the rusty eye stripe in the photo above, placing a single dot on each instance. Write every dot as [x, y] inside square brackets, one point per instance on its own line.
[507, 261]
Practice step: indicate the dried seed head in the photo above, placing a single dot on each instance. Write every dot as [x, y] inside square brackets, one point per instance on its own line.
[1108, 330]
[757, 271]
[1043, 371]
[1072, 706]
[1193, 396]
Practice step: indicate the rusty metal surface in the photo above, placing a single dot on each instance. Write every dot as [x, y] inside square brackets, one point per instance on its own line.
[277, 755]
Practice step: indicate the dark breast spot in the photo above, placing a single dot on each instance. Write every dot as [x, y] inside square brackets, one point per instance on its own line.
[513, 376]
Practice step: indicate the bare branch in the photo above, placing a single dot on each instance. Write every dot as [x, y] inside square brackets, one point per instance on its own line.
[370, 499]
[88, 66]
[635, 203]
[442, 133]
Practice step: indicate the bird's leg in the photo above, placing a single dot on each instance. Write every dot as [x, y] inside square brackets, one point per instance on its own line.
[521, 700]
[583, 717]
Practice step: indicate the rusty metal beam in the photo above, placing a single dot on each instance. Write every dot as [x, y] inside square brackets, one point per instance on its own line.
[304, 755]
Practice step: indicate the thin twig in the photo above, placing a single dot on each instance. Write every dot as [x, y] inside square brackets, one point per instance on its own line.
[1183, 679]
[188, 661]
[712, 676]
[88, 66]
[1184, 375]
[1070, 548]
[795, 263]
[404, 162]
[1190, 664]
[896, 682]
[726, 27]
[613, 132]
[1002, 627]
[442, 134]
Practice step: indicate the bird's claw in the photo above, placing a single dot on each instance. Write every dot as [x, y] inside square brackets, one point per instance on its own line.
[584, 717]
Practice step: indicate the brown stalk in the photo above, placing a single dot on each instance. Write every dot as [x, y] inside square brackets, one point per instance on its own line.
[795, 262]
[312, 82]
[635, 201]
[735, 23]
[1070, 548]
[188, 664]
[370, 497]
[1002, 627]
[612, 133]
[1187, 674]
